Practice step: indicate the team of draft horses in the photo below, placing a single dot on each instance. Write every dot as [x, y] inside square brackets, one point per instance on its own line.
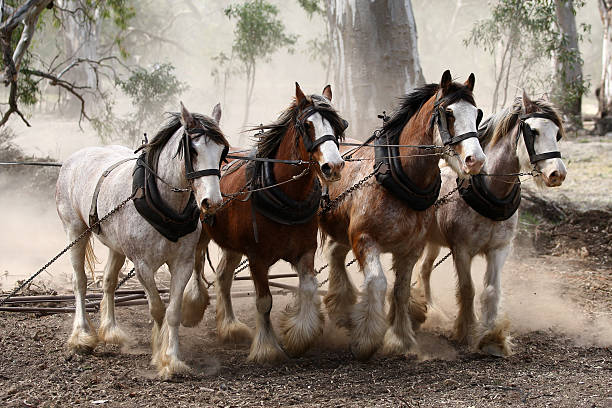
[265, 204]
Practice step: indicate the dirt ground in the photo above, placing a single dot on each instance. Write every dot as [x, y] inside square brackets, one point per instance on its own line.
[557, 297]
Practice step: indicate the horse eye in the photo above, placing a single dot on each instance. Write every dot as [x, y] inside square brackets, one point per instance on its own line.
[536, 132]
[449, 112]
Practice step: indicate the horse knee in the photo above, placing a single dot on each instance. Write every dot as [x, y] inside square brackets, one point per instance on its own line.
[264, 304]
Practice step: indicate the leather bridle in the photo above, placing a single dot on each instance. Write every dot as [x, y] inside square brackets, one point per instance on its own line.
[439, 117]
[323, 108]
[529, 138]
[187, 144]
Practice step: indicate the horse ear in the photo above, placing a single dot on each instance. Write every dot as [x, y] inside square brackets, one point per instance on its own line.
[470, 82]
[327, 92]
[216, 112]
[299, 95]
[528, 105]
[446, 80]
[187, 119]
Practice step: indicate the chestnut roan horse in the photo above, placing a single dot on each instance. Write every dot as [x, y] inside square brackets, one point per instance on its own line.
[519, 138]
[308, 130]
[372, 220]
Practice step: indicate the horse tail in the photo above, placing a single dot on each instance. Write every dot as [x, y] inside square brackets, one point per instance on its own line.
[90, 257]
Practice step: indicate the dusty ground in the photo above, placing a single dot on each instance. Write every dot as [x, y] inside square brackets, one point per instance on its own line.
[557, 286]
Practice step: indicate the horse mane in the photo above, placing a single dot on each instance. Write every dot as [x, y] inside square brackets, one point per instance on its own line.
[268, 141]
[169, 128]
[412, 102]
[501, 123]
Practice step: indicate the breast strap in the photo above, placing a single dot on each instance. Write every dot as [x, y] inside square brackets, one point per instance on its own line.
[476, 194]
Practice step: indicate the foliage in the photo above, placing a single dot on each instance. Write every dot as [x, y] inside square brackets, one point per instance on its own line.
[313, 7]
[151, 92]
[524, 36]
[258, 34]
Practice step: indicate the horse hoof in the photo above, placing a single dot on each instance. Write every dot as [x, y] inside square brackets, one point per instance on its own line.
[82, 342]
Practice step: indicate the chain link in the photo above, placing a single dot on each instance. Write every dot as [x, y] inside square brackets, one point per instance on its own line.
[333, 203]
[63, 251]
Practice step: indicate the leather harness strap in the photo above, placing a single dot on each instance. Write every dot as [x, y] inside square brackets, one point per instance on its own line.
[93, 210]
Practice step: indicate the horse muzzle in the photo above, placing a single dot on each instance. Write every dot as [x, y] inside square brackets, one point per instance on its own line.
[332, 170]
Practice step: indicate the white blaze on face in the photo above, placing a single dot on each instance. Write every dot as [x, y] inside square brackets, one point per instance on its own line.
[469, 150]
[545, 140]
[208, 157]
[330, 156]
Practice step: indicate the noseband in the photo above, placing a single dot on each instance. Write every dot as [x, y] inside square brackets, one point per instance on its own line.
[323, 108]
[529, 138]
[187, 144]
[439, 117]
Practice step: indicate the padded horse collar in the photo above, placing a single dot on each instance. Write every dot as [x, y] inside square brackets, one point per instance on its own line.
[391, 175]
[321, 106]
[476, 194]
[186, 144]
[151, 206]
[274, 203]
[529, 138]
[439, 117]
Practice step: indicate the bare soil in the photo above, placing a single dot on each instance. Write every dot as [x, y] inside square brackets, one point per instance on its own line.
[557, 297]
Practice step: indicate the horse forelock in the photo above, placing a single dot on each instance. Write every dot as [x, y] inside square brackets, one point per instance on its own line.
[267, 143]
[172, 125]
[502, 122]
[413, 102]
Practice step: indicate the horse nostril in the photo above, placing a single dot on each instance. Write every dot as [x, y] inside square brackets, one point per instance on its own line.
[341, 165]
[469, 161]
[554, 175]
[205, 204]
[326, 169]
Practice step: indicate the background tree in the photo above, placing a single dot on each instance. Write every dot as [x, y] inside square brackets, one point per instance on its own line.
[375, 57]
[258, 34]
[604, 123]
[523, 36]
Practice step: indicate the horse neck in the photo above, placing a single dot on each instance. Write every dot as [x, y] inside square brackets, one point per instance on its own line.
[422, 170]
[298, 189]
[502, 159]
[171, 168]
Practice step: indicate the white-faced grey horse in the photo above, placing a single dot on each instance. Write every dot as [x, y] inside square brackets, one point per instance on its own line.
[182, 163]
[522, 137]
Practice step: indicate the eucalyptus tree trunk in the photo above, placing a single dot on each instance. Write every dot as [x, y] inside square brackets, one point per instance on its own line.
[81, 41]
[568, 86]
[375, 58]
[604, 124]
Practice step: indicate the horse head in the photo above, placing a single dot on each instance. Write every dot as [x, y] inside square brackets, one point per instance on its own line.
[541, 128]
[320, 128]
[455, 120]
[205, 148]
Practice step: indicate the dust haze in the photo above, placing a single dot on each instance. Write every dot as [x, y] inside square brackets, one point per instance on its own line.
[32, 232]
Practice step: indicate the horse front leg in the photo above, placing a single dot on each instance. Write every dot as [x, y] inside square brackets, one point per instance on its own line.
[265, 347]
[109, 332]
[341, 295]
[493, 337]
[169, 362]
[229, 328]
[399, 337]
[465, 322]
[368, 324]
[302, 323]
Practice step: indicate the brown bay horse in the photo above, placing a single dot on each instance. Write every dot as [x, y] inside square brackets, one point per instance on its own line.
[308, 130]
[372, 220]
